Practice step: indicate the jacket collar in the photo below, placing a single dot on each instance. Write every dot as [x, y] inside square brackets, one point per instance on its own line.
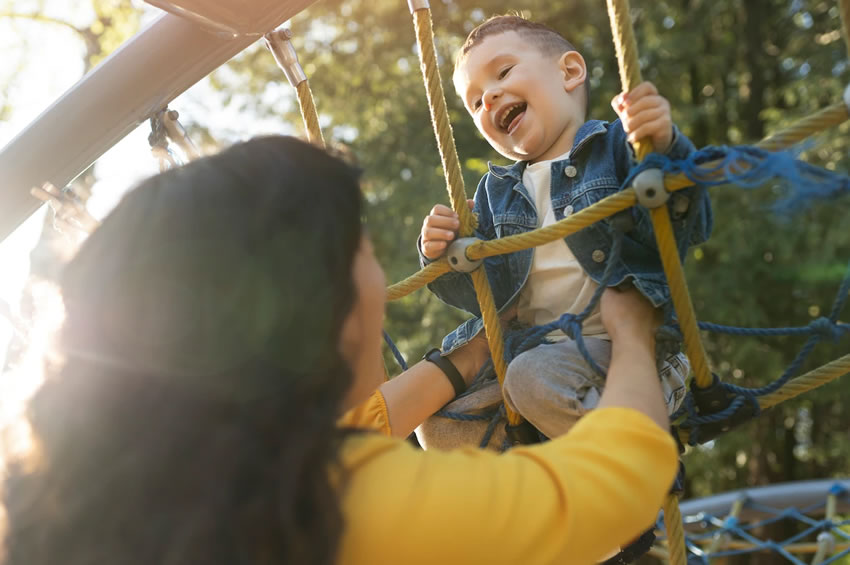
[588, 130]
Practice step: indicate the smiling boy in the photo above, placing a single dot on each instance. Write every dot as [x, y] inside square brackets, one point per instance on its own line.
[525, 87]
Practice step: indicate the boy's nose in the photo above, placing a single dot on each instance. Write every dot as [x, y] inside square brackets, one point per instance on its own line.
[490, 98]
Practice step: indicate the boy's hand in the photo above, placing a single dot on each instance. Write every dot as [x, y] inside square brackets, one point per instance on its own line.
[439, 229]
[645, 114]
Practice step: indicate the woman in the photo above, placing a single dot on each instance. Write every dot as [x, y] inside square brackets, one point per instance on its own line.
[218, 324]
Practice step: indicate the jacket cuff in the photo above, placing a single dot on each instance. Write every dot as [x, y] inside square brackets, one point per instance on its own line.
[423, 261]
[680, 146]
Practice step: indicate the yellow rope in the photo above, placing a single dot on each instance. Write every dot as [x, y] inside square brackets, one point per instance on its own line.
[457, 192]
[493, 329]
[680, 295]
[815, 123]
[675, 530]
[440, 119]
[309, 113]
[797, 386]
[627, 58]
[417, 280]
[606, 207]
[807, 382]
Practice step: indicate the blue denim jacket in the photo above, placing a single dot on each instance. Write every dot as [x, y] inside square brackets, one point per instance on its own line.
[598, 164]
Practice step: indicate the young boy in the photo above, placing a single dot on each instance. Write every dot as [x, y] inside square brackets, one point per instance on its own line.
[526, 88]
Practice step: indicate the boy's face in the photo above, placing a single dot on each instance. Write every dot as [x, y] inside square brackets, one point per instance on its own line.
[528, 105]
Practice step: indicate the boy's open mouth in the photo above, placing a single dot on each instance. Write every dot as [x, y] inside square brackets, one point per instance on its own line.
[511, 116]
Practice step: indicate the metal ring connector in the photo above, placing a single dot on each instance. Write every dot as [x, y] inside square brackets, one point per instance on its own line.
[649, 188]
[456, 255]
[284, 54]
[417, 5]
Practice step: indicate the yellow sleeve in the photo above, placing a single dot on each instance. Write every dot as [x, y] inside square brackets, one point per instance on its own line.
[370, 415]
[571, 500]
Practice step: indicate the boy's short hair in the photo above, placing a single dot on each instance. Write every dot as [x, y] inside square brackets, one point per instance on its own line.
[545, 39]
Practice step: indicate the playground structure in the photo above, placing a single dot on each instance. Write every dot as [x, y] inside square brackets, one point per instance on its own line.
[109, 102]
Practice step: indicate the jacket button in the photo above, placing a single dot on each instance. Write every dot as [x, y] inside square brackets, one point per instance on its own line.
[570, 171]
[568, 210]
[598, 256]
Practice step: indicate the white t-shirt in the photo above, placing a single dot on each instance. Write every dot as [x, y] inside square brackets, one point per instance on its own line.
[556, 284]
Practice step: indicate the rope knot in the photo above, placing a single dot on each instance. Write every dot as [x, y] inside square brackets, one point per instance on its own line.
[570, 324]
[827, 329]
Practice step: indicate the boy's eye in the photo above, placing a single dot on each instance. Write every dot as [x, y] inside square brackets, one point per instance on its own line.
[504, 72]
[476, 104]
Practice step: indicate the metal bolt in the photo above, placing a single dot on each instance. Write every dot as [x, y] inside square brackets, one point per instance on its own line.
[598, 256]
[570, 171]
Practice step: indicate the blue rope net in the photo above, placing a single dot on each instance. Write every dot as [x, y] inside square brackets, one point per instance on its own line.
[807, 530]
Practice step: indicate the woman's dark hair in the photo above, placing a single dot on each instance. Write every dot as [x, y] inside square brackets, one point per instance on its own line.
[193, 420]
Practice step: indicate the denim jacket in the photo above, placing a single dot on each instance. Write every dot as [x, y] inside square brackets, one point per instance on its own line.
[597, 166]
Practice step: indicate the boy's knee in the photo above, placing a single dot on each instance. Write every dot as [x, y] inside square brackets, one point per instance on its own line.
[522, 378]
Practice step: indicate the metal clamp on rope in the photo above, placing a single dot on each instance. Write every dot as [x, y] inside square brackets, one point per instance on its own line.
[456, 255]
[521, 434]
[847, 98]
[278, 42]
[714, 399]
[418, 5]
[649, 188]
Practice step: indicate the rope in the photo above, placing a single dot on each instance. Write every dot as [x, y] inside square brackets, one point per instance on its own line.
[417, 280]
[440, 119]
[679, 293]
[675, 530]
[399, 358]
[605, 208]
[627, 58]
[830, 116]
[807, 382]
[309, 113]
[493, 330]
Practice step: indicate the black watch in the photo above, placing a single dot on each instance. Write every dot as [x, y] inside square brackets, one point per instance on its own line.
[435, 356]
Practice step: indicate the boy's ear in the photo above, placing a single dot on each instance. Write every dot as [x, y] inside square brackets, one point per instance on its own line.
[574, 68]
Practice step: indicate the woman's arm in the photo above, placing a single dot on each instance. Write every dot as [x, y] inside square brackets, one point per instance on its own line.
[632, 381]
[570, 500]
[414, 396]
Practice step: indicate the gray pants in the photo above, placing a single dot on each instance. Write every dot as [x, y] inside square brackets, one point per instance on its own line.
[551, 386]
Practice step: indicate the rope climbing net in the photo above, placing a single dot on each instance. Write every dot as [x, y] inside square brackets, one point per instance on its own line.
[712, 407]
[803, 522]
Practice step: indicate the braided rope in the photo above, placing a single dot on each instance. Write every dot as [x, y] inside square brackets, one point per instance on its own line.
[627, 58]
[804, 383]
[801, 129]
[440, 119]
[417, 280]
[832, 115]
[309, 113]
[493, 329]
[680, 295]
[605, 208]
[675, 530]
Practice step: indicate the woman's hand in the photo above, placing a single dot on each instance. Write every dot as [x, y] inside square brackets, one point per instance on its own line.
[627, 315]
[632, 382]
